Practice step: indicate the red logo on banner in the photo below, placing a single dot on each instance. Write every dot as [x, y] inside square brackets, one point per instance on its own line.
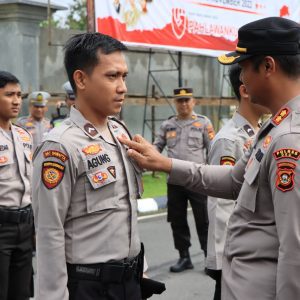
[179, 22]
[284, 11]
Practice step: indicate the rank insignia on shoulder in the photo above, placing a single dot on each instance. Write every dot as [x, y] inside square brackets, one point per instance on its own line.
[112, 171]
[249, 130]
[92, 149]
[267, 142]
[285, 176]
[57, 154]
[277, 119]
[227, 161]
[52, 174]
[90, 129]
[286, 153]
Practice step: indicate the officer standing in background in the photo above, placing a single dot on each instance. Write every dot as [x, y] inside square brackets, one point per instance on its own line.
[187, 136]
[261, 255]
[228, 146]
[85, 187]
[36, 123]
[63, 108]
[16, 221]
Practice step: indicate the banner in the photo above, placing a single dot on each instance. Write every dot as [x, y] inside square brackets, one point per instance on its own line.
[207, 27]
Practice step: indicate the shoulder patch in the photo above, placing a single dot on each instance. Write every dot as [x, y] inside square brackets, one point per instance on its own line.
[285, 176]
[227, 161]
[57, 154]
[52, 174]
[210, 131]
[280, 116]
[286, 153]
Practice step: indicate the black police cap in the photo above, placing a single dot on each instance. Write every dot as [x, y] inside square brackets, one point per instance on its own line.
[183, 92]
[269, 36]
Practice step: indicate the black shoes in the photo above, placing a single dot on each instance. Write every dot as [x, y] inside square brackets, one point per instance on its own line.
[184, 263]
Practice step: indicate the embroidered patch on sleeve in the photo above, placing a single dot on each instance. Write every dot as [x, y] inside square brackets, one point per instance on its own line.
[227, 161]
[57, 154]
[210, 131]
[285, 176]
[52, 174]
[286, 153]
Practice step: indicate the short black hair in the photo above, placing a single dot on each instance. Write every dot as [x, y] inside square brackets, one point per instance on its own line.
[289, 64]
[6, 78]
[234, 77]
[81, 52]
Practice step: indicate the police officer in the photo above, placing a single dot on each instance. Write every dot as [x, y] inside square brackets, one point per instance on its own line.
[85, 187]
[228, 146]
[36, 123]
[187, 136]
[261, 255]
[16, 222]
[63, 108]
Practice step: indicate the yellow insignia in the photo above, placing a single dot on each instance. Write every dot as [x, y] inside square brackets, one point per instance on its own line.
[92, 149]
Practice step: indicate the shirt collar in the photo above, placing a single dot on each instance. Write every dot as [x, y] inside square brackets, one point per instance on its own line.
[240, 121]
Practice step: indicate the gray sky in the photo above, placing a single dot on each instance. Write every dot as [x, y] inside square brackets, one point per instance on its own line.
[61, 15]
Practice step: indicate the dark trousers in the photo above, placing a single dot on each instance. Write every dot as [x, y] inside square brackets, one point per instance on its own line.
[15, 261]
[217, 276]
[97, 290]
[177, 215]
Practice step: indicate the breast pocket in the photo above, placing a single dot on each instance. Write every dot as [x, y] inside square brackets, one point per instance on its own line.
[6, 162]
[101, 190]
[248, 193]
[195, 138]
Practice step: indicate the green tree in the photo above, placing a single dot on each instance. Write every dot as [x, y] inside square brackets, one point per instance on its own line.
[77, 18]
[54, 23]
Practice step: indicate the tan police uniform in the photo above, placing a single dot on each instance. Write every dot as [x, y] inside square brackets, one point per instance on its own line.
[84, 198]
[229, 145]
[186, 140]
[16, 221]
[38, 129]
[261, 257]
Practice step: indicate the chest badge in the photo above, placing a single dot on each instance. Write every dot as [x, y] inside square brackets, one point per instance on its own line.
[267, 142]
[92, 149]
[112, 171]
[100, 177]
[3, 159]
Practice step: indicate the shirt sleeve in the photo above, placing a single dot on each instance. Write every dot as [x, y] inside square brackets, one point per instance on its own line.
[209, 134]
[160, 140]
[216, 181]
[284, 181]
[52, 184]
[224, 152]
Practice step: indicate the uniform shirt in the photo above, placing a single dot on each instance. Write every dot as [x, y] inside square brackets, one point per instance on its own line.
[261, 255]
[186, 139]
[84, 202]
[15, 167]
[228, 146]
[38, 129]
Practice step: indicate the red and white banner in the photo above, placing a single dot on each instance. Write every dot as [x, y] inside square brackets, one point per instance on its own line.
[207, 27]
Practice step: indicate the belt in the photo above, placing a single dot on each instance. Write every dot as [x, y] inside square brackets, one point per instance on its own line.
[114, 272]
[16, 216]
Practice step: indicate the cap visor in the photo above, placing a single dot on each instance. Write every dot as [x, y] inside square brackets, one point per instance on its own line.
[232, 58]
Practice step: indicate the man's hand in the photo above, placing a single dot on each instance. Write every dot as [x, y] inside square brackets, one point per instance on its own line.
[146, 155]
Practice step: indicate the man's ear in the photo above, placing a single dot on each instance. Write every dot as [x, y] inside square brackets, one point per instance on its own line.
[243, 92]
[269, 66]
[80, 79]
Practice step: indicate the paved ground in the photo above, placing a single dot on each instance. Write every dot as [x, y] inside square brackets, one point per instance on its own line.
[189, 285]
